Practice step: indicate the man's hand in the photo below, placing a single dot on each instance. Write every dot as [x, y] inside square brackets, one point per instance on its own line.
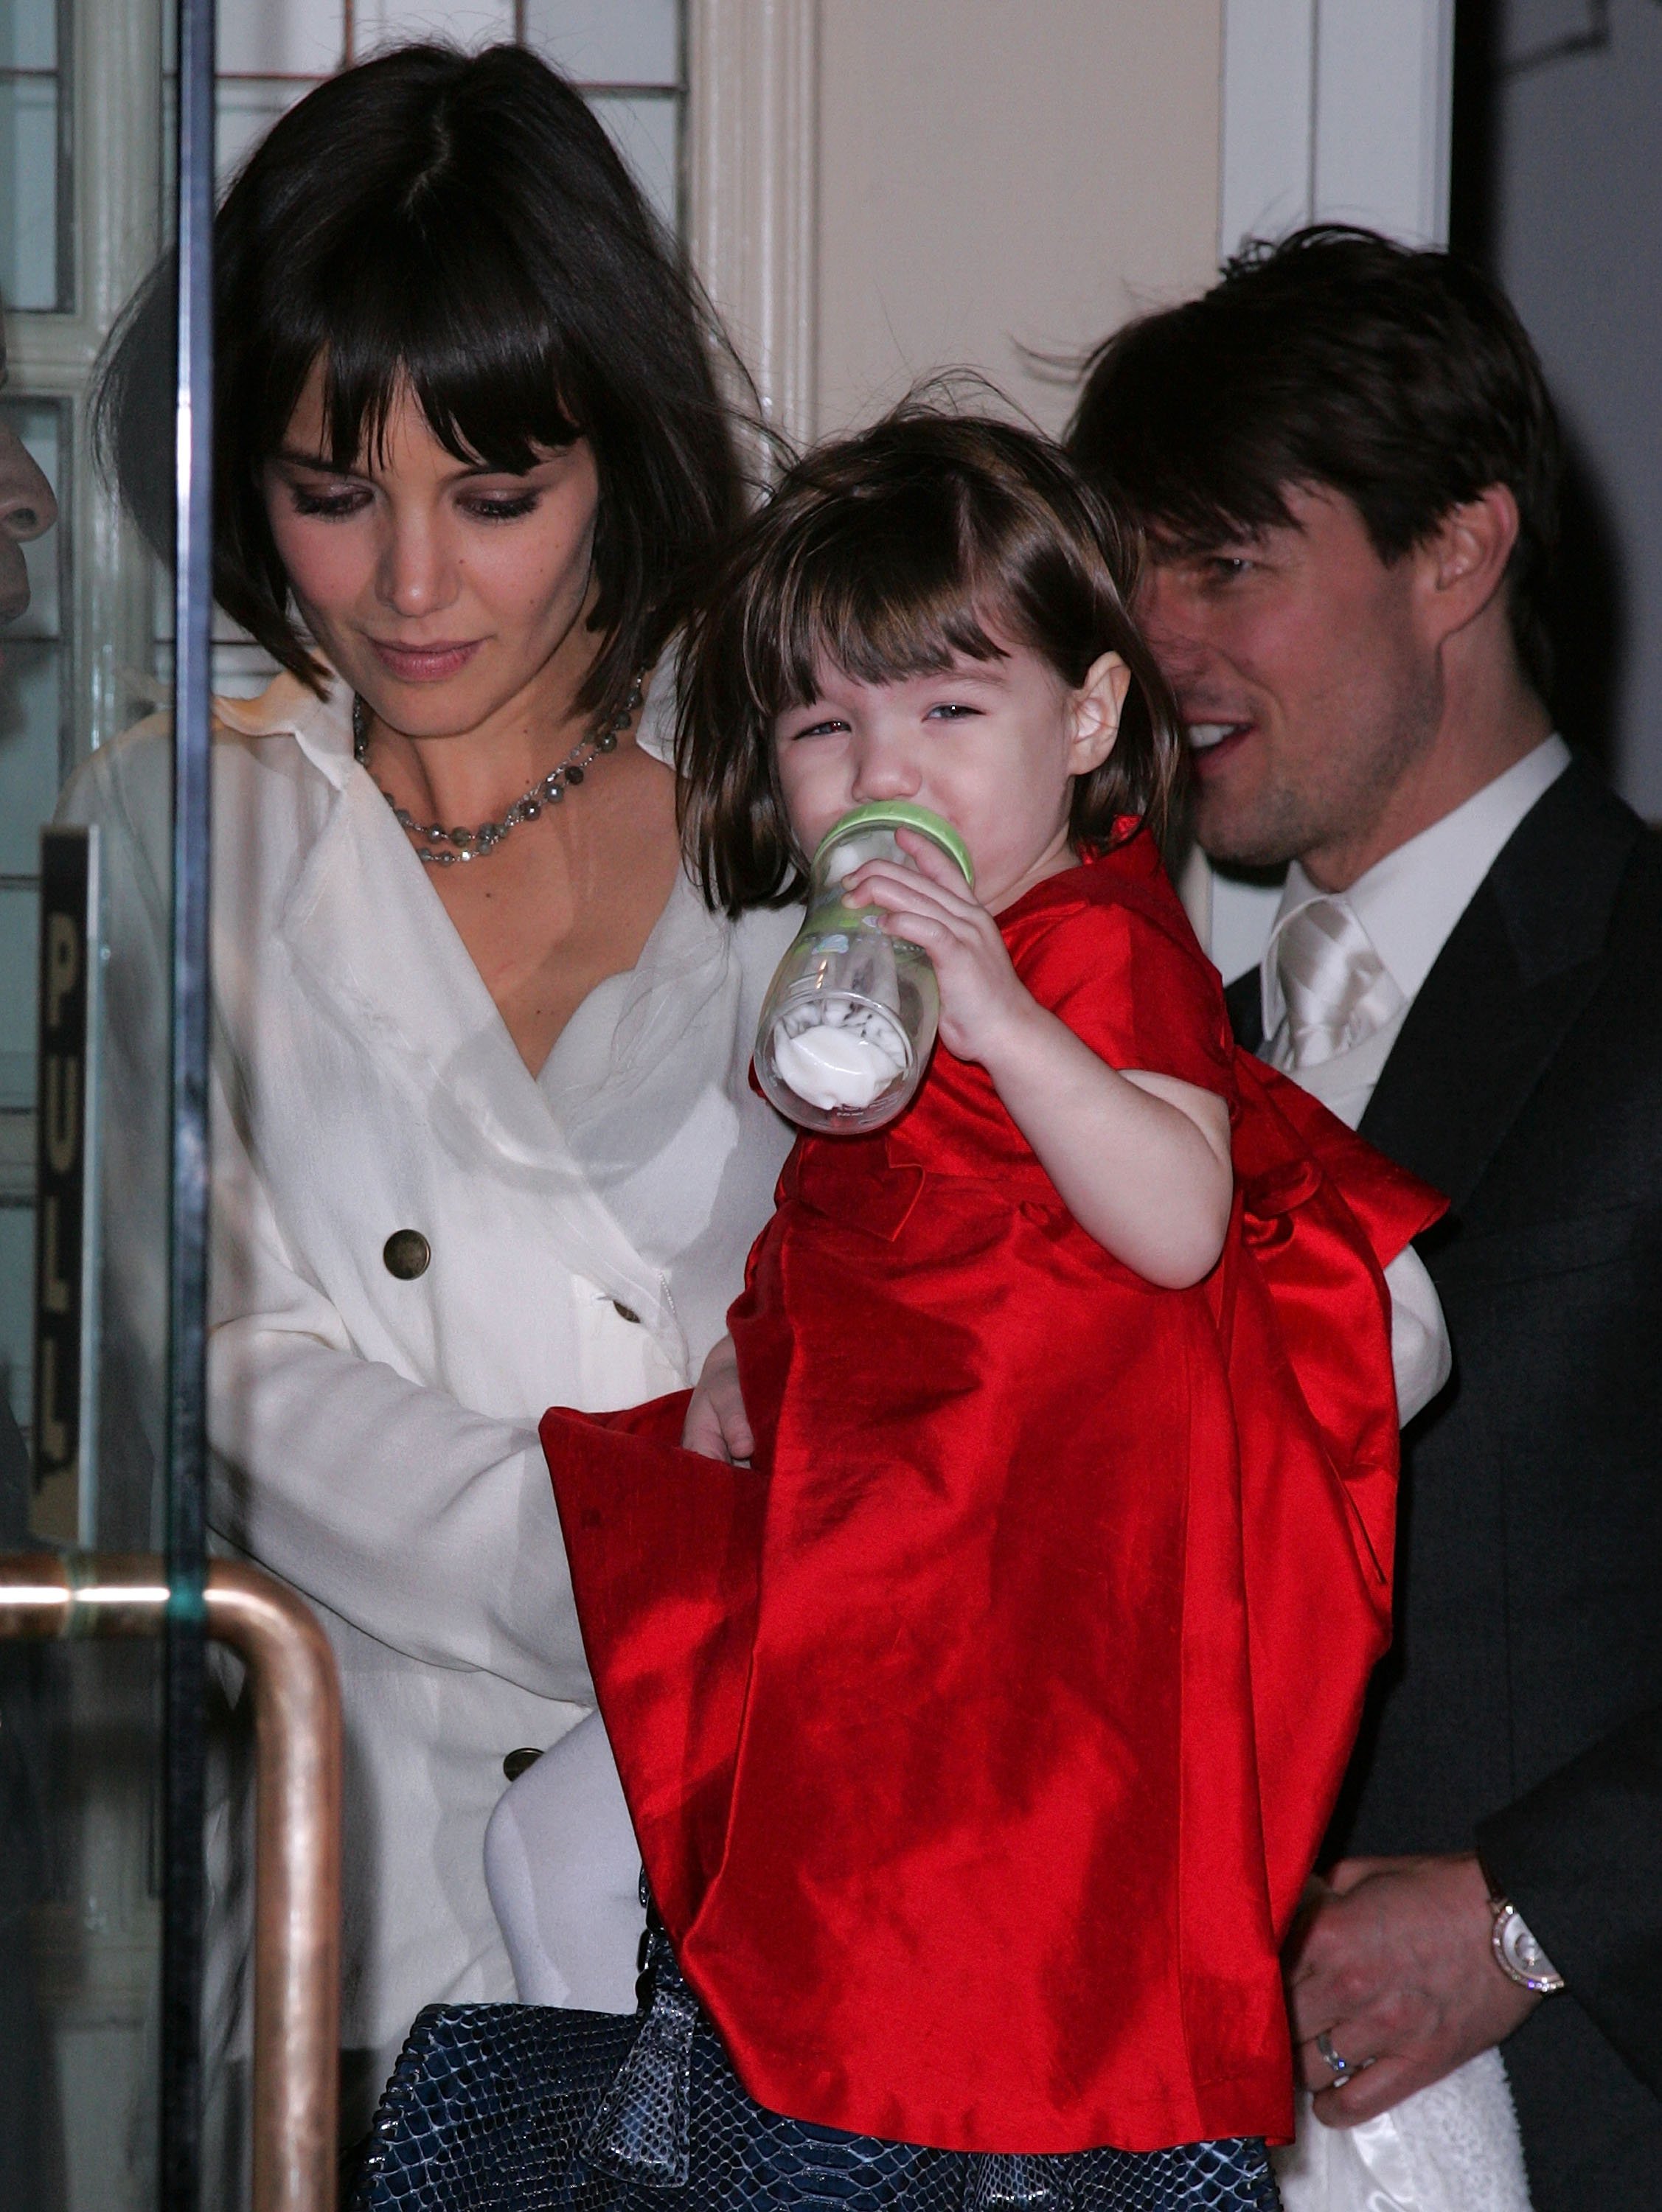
[716, 1425]
[1390, 1959]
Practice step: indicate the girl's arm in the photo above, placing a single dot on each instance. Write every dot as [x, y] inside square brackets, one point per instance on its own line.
[1142, 1161]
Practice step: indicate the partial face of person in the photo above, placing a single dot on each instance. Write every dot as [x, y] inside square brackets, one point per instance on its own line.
[27, 510]
[1306, 684]
[443, 591]
[994, 746]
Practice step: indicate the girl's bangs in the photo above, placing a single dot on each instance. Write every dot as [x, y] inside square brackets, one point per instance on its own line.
[879, 604]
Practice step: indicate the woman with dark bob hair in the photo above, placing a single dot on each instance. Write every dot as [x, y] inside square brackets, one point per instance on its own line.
[482, 1140]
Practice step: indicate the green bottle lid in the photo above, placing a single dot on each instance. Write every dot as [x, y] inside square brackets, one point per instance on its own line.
[901, 814]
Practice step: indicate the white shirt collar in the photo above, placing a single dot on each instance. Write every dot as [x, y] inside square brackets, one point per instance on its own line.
[287, 708]
[323, 727]
[1410, 902]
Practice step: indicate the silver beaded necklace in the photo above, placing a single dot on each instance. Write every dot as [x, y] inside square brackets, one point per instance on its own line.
[443, 847]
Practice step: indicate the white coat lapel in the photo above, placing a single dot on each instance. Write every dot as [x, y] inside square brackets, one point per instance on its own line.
[373, 943]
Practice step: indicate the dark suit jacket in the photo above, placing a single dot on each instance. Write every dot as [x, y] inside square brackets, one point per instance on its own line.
[1521, 1707]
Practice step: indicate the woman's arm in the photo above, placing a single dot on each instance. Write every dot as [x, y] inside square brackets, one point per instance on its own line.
[1140, 1160]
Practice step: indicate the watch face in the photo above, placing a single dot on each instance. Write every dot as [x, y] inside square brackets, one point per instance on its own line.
[1521, 1955]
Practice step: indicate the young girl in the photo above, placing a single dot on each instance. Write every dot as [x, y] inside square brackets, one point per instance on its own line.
[979, 1734]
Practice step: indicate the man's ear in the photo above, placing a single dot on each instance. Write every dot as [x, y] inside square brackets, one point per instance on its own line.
[1097, 705]
[1463, 561]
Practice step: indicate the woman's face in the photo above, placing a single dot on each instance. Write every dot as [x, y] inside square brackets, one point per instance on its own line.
[442, 592]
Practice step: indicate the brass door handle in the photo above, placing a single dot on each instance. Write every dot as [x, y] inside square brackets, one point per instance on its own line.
[296, 1698]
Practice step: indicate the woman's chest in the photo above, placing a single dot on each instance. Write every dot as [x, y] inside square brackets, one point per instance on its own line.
[563, 903]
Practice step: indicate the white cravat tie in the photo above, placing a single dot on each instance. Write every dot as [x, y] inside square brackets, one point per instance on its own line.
[1336, 988]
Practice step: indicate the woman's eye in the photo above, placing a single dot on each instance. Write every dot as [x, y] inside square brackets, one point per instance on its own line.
[332, 505]
[504, 506]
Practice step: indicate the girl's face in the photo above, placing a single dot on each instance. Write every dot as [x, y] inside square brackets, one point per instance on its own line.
[442, 592]
[992, 745]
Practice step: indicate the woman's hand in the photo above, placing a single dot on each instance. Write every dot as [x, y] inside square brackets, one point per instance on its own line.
[983, 1000]
[716, 1425]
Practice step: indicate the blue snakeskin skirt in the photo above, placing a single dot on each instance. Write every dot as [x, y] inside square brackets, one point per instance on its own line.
[526, 2108]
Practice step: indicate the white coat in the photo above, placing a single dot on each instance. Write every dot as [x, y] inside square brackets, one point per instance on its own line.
[373, 1437]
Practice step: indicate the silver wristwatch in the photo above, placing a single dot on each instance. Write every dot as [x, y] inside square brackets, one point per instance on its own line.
[1517, 1953]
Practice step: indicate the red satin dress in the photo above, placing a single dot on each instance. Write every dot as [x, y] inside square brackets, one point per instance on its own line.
[979, 1737]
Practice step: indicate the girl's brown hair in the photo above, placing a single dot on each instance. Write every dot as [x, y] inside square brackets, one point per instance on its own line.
[889, 554]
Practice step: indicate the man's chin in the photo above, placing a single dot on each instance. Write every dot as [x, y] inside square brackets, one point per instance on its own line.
[1231, 839]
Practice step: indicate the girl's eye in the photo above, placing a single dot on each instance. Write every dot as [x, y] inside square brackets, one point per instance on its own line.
[501, 507]
[332, 505]
[952, 710]
[822, 729]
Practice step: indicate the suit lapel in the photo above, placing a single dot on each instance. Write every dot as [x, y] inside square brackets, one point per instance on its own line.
[1519, 967]
[1245, 998]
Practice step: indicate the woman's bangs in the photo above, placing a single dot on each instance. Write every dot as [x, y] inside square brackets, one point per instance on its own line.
[463, 332]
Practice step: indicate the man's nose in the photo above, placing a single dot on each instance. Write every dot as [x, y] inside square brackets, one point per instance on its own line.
[1170, 622]
[27, 507]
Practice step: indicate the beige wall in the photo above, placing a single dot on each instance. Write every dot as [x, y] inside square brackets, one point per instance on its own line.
[994, 174]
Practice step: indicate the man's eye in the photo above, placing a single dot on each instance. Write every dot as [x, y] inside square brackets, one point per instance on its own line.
[1228, 568]
[504, 506]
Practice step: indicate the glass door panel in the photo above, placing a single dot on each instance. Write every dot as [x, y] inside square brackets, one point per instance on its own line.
[86, 1136]
[100, 1741]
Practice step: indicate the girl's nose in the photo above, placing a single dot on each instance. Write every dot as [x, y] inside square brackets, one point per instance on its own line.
[884, 771]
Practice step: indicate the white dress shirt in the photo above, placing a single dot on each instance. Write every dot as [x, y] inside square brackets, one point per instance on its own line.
[1408, 904]
[374, 1438]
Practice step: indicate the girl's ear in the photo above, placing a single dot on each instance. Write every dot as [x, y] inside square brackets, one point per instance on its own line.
[1098, 704]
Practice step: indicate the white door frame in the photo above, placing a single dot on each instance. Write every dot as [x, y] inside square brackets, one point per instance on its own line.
[752, 151]
[1337, 111]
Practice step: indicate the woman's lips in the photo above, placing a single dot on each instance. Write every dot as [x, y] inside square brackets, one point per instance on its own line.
[424, 664]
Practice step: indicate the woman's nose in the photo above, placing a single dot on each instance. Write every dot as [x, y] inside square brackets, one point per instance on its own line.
[417, 576]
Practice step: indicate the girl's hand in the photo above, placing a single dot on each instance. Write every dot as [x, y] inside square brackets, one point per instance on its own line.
[983, 1000]
[717, 1425]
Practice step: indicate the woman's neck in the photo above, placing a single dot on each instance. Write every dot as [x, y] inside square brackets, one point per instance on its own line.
[476, 774]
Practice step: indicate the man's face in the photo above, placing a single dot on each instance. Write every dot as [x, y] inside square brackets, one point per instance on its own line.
[1306, 684]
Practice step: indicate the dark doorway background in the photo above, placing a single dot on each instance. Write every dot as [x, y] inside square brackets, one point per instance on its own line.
[1556, 189]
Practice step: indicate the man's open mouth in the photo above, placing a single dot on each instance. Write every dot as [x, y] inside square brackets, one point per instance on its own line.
[1204, 736]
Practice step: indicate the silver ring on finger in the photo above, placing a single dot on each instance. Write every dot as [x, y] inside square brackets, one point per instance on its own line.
[1342, 2068]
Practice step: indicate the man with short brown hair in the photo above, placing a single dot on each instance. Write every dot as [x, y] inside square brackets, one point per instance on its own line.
[1347, 464]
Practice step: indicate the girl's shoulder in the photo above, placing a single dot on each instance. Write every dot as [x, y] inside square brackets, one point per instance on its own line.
[1108, 948]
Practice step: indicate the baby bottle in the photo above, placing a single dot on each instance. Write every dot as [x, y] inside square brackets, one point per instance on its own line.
[850, 1017]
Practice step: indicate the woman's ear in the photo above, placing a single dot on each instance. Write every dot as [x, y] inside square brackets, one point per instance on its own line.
[1098, 704]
